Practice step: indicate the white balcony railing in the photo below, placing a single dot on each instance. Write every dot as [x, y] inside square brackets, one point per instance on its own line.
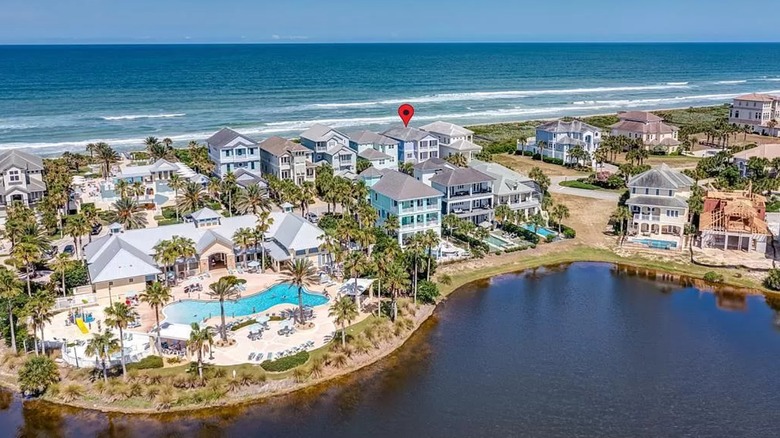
[647, 217]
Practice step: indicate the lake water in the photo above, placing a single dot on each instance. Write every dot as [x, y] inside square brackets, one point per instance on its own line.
[580, 350]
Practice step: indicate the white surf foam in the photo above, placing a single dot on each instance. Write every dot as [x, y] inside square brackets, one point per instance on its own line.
[144, 116]
[731, 82]
[676, 83]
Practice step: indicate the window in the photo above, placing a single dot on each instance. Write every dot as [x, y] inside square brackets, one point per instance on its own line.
[14, 176]
[647, 191]
[657, 192]
[633, 190]
[228, 153]
[129, 280]
[736, 113]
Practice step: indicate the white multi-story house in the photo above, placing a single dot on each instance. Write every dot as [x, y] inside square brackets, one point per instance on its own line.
[286, 159]
[416, 205]
[22, 178]
[659, 204]
[231, 151]
[510, 188]
[757, 111]
[380, 150]
[768, 151]
[648, 127]
[453, 139]
[414, 145]
[468, 193]
[556, 139]
[331, 146]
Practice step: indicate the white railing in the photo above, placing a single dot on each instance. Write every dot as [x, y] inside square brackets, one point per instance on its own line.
[647, 217]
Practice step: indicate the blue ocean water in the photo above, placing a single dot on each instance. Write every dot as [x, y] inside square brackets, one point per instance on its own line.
[56, 98]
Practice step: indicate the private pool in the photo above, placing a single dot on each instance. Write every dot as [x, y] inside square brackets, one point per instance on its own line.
[544, 232]
[189, 311]
[497, 242]
[656, 244]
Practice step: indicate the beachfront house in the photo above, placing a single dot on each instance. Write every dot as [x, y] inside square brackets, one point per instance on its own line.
[22, 179]
[734, 220]
[231, 151]
[510, 188]
[416, 205]
[656, 135]
[286, 160]
[330, 146]
[381, 151]
[453, 139]
[122, 262]
[558, 138]
[767, 151]
[759, 111]
[468, 193]
[414, 145]
[659, 204]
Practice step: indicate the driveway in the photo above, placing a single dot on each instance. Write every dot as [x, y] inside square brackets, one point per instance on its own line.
[593, 194]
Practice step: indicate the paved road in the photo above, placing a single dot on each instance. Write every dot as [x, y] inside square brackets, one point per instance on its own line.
[593, 194]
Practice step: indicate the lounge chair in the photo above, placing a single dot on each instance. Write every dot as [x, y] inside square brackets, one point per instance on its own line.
[251, 356]
[259, 356]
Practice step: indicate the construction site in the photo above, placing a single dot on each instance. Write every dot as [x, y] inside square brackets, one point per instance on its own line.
[734, 220]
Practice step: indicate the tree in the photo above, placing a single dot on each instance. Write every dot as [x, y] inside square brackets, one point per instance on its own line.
[542, 180]
[343, 311]
[620, 216]
[537, 220]
[407, 168]
[772, 281]
[192, 197]
[199, 339]
[306, 195]
[119, 316]
[450, 222]
[559, 212]
[10, 289]
[243, 238]
[413, 248]
[522, 140]
[26, 255]
[106, 156]
[502, 213]
[391, 225]
[458, 159]
[226, 288]
[37, 374]
[354, 264]
[39, 310]
[300, 273]
[264, 222]
[60, 264]
[253, 200]
[176, 183]
[695, 202]
[430, 239]
[396, 281]
[771, 125]
[127, 213]
[157, 295]
[76, 227]
[102, 346]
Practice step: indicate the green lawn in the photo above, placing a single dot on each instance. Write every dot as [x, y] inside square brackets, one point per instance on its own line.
[579, 185]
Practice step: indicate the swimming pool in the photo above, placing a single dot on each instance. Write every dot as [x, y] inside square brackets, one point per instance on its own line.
[656, 244]
[542, 231]
[498, 242]
[189, 311]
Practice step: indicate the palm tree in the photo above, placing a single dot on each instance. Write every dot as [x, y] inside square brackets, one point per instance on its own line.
[354, 264]
[122, 188]
[176, 183]
[128, 214]
[771, 125]
[137, 189]
[229, 187]
[396, 280]
[537, 220]
[307, 195]
[621, 215]
[182, 247]
[76, 227]
[27, 254]
[119, 316]
[391, 225]
[91, 216]
[430, 239]
[60, 264]
[165, 254]
[192, 197]
[107, 156]
[264, 222]
[252, 200]
[39, 311]
[199, 339]
[10, 289]
[559, 212]
[243, 238]
[301, 273]
[502, 213]
[91, 148]
[226, 288]
[458, 159]
[450, 223]
[102, 346]
[157, 295]
[523, 140]
[151, 143]
[343, 311]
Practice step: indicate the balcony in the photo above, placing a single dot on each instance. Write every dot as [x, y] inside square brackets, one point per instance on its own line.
[422, 208]
[647, 217]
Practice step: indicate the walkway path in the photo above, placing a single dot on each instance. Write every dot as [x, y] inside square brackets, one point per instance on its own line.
[555, 187]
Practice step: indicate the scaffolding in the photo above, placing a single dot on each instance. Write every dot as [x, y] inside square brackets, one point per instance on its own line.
[733, 221]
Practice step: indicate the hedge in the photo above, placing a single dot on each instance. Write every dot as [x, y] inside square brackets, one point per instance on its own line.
[243, 324]
[520, 231]
[567, 232]
[285, 363]
[146, 363]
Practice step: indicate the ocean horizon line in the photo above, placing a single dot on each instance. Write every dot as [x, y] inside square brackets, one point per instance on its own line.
[309, 42]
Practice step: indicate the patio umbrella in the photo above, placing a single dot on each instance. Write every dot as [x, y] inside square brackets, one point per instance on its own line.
[253, 264]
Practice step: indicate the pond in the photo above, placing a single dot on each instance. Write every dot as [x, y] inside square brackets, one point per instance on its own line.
[580, 350]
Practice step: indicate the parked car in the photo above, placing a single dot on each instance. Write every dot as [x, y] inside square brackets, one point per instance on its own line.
[96, 229]
[69, 249]
[312, 217]
[51, 252]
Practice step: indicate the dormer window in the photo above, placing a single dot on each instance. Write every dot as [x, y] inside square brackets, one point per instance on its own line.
[14, 176]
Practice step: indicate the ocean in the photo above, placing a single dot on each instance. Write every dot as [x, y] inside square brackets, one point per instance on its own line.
[58, 98]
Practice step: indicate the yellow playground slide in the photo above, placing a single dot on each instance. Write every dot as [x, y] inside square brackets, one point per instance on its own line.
[82, 326]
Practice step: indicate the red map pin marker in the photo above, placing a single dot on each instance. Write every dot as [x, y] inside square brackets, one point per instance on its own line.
[406, 112]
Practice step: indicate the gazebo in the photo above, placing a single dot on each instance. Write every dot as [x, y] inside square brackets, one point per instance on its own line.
[356, 288]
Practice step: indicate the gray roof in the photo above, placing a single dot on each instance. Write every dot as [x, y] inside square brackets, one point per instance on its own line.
[560, 126]
[406, 134]
[226, 135]
[433, 164]
[373, 154]
[163, 165]
[661, 177]
[446, 128]
[507, 181]
[462, 145]
[368, 137]
[370, 172]
[246, 177]
[279, 146]
[112, 258]
[19, 159]
[318, 132]
[400, 186]
[460, 176]
[660, 201]
[205, 213]
[639, 116]
[31, 187]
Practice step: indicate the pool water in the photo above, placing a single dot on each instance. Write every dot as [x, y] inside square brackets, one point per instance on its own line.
[189, 311]
[656, 244]
[497, 242]
[544, 232]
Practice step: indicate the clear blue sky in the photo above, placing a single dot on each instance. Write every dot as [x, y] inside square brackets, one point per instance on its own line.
[201, 21]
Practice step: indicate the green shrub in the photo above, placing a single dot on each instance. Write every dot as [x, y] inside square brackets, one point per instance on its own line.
[569, 233]
[285, 363]
[713, 277]
[520, 231]
[147, 363]
[37, 374]
[772, 281]
[473, 243]
[551, 160]
[427, 292]
[243, 324]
